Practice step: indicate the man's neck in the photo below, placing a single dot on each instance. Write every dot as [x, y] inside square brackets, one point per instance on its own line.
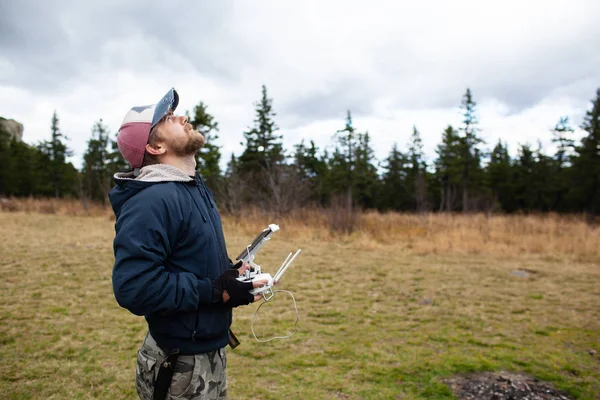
[186, 164]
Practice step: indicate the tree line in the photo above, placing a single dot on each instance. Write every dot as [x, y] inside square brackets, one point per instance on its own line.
[465, 175]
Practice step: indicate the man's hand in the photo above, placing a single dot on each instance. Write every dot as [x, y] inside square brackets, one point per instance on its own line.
[241, 270]
[235, 293]
[245, 267]
[255, 284]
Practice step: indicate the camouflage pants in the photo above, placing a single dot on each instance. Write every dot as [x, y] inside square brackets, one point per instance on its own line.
[197, 377]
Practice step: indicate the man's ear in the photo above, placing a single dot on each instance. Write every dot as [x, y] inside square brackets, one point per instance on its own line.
[156, 150]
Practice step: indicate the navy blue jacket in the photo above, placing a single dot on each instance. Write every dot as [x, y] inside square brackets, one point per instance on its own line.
[168, 247]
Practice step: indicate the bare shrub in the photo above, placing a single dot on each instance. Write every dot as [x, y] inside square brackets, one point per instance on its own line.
[48, 208]
[342, 217]
[286, 189]
[8, 205]
[230, 193]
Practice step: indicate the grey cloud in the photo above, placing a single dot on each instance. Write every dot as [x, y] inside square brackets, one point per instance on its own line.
[50, 44]
[520, 83]
[331, 104]
[519, 74]
[32, 40]
[571, 70]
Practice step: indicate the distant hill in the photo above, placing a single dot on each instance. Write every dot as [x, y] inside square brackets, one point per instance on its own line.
[14, 128]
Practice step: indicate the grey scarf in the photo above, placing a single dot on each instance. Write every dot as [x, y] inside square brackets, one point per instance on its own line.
[156, 173]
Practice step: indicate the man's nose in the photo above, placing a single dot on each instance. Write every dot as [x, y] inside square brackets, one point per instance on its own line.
[184, 119]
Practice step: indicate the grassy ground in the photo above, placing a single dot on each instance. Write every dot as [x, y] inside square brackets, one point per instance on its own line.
[387, 313]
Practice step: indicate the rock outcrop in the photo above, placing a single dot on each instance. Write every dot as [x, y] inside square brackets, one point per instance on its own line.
[14, 128]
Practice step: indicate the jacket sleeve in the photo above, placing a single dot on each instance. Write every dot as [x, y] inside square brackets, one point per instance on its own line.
[146, 232]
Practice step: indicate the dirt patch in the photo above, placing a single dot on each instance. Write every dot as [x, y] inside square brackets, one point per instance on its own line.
[502, 386]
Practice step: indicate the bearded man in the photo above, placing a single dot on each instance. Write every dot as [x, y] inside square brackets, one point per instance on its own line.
[171, 262]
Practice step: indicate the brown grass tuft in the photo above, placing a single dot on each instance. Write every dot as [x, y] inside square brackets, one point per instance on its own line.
[503, 235]
[66, 207]
[427, 233]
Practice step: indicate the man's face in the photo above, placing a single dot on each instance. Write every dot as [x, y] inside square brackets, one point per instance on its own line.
[179, 137]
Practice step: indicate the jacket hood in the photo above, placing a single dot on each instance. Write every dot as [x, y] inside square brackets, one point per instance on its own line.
[128, 184]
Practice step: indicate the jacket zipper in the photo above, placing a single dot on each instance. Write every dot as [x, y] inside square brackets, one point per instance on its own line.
[197, 206]
[214, 233]
[205, 194]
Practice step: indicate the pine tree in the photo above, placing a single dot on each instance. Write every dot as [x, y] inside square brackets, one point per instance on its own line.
[499, 177]
[263, 149]
[95, 164]
[209, 157]
[114, 159]
[22, 173]
[415, 150]
[545, 182]
[524, 179]
[44, 184]
[448, 168]
[416, 175]
[365, 172]
[6, 187]
[565, 144]
[71, 178]
[533, 180]
[343, 161]
[352, 172]
[586, 163]
[313, 168]
[469, 152]
[57, 153]
[394, 191]
[560, 136]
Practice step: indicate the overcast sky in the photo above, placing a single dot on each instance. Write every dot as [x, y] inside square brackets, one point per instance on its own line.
[394, 64]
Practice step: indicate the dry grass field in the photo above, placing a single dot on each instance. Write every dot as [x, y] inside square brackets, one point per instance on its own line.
[388, 312]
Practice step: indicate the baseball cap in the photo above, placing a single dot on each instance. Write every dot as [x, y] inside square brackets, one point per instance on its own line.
[137, 124]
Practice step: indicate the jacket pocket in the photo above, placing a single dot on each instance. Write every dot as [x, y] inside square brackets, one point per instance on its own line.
[145, 375]
[180, 326]
[212, 322]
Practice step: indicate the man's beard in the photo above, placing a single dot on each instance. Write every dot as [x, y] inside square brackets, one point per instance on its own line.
[194, 143]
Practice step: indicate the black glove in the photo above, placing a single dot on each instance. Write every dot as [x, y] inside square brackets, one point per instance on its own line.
[229, 274]
[219, 284]
[238, 291]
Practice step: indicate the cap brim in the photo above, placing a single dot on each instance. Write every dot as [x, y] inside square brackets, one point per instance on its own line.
[168, 102]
